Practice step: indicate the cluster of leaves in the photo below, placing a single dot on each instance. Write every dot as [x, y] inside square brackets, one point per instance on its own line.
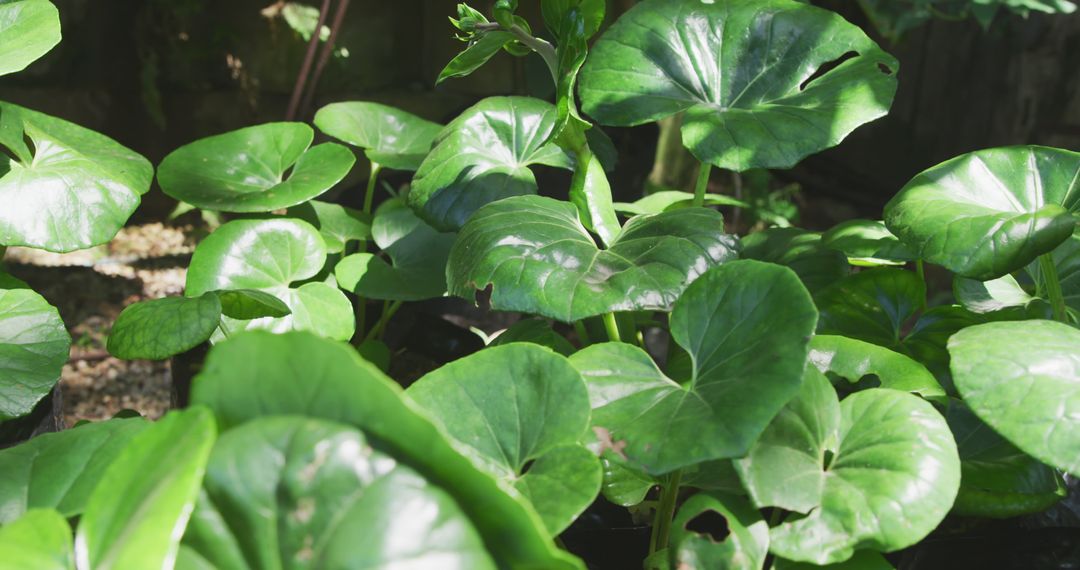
[807, 378]
[895, 17]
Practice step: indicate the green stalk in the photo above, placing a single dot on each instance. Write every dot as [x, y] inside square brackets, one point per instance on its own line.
[369, 196]
[1053, 287]
[702, 184]
[612, 327]
[369, 200]
[920, 270]
[582, 333]
[376, 331]
[665, 512]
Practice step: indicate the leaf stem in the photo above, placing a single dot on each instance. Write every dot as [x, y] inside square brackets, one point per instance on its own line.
[369, 196]
[582, 333]
[612, 327]
[541, 47]
[376, 331]
[665, 511]
[920, 270]
[702, 184]
[1053, 287]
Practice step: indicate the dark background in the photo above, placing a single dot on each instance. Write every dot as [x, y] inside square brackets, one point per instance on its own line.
[155, 74]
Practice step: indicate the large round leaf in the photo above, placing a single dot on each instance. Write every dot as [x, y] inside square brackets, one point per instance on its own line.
[291, 492]
[337, 224]
[871, 305]
[75, 190]
[390, 137]
[59, 470]
[816, 265]
[245, 170]
[41, 540]
[539, 259]
[879, 471]
[135, 516]
[694, 546]
[33, 348]
[989, 212]
[28, 30]
[272, 256]
[160, 328]
[484, 155]
[509, 406]
[854, 360]
[255, 374]
[417, 266]
[752, 77]
[1023, 379]
[996, 479]
[746, 325]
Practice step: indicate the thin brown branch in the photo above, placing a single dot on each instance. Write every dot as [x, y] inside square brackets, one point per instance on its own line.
[324, 56]
[305, 68]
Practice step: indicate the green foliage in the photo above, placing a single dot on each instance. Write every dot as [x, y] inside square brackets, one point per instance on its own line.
[33, 348]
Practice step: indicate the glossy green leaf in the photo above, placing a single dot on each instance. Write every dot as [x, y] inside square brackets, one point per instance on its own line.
[135, 516]
[1066, 259]
[987, 213]
[40, 540]
[337, 224]
[76, 192]
[33, 348]
[871, 305]
[255, 169]
[300, 374]
[854, 359]
[1023, 379]
[744, 547]
[539, 259]
[272, 256]
[160, 328]
[59, 470]
[475, 55]
[389, 136]
[247, 304]
[867, 243]
[482, 156]
[996, 479]
[989, 296]
[861, 560]
[28, 30]
[845, 464]
[665, 200]
[291, 492]
[744, 74]
[816, 265]
[536, 331]
[417, 254]
[746, 325]
[591, 193]
[511, 405]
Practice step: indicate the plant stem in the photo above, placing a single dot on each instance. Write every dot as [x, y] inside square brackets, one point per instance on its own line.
[369, 196]
[612, 327]
[665, 511]
[582, 334]
[376, 331]
[1053, 287]
[920, 270]
[324, 55]
[305, 68]
[541, 47]
[702, 184]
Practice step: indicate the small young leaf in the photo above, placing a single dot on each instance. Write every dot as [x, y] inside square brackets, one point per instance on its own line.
[867, 243]
[390, 137]
[161, 328]
[337, 224]
[33, 348]
[248, 304]
[30, 29]
[40, 540]
[476, 55]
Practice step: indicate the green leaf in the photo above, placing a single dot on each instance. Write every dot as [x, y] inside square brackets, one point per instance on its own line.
[871, 305]
[989, 296]
[389, 136]
[1066, 259]
[591, 194]
[484, 155]
[290, 492]
[337, 224]
[135, 516]
[845, 464]
[33, 348]
[161, 328]
[861, 560]
[746, 325]
[743, 72]
[59, 470]
[417, 258]
[1023, 379]
[988, 213]
[40, 540]
[29, 29]
[272, 256]
[476, 54]
[245, 170]
[539, 259]
[816, 265]
[867, 243]
[509, 406]
[301, 374]
[854, 359]
[665, 200]
[77, 191]
[996, 479]
[248, 304]
[744, 547]
[536, 331]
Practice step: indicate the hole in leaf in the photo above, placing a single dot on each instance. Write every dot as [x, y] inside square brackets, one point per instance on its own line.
[827, 67]
[483, 297]
[709, 523]
[528, 465]
[829, 456]
[885, 69]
